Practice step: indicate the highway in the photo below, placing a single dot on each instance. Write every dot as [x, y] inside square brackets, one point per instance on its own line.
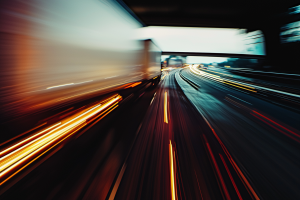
[227, 144]
[191, 137]
[262, 136]
[178, 152]
[147, 100]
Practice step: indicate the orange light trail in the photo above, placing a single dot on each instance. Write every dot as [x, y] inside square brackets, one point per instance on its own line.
[172, 176]
[18, 156]
[166, 108]
[23, 134]
[133, 85]
[237, 85]
[26, 140]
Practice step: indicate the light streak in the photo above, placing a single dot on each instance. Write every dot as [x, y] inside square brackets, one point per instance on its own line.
[173, 195]
[231, 178]
[18, 156]
[133, 85]
[235, 166]
[218, 72]
[23, 134]
[85, 82]
[110, 77]
[210, 76]
[238, 86]
[26, 140]
[236, 83]
[222, 80]
[276, 123]
[166, 108]
[153, 98]
[245, 181]
[60, 85]
[224, 188]
[116, 186]
[198, 185]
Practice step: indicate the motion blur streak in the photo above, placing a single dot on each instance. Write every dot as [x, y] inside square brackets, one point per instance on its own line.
[253, 86]
[23, 134]
[166, 108]
[237, 85]
[27, 140]
[133, 85]
[59, 85]
[224, 188]
[235, 166]
[153, 98]
[58, 52]
[276, 123]
[114, 191]
[244, 179]
[163, 77]
[27, 150]
[231, 178]
[221, 80]
[273, 125]
[172, 176]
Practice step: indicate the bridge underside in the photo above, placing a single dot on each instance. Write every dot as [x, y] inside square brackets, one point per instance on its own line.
[267, 16]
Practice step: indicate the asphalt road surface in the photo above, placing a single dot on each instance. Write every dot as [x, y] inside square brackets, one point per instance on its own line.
[189, 138]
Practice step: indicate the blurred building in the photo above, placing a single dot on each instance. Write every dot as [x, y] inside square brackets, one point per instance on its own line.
[174, 61]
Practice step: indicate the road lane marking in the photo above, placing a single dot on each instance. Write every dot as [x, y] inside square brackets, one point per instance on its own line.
[116, 186]
[153, 98]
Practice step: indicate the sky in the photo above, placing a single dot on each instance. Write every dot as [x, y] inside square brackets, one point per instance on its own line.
[199, 59]
[202, 59]
[212, 40]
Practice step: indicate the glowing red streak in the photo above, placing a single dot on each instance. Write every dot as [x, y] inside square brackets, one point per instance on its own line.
[237, 169]
[218, 170]
[276, 128]
[231, 178]
[276, 123]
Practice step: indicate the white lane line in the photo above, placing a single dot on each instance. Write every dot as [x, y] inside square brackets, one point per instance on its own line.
[153, 98]
[116, 186]
[250, 85]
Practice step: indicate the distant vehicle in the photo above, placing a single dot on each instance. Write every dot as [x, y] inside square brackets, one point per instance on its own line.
[85, 65]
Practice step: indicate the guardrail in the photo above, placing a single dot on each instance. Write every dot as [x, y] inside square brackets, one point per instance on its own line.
[284, 97]
[194, 85]
[269, 75]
